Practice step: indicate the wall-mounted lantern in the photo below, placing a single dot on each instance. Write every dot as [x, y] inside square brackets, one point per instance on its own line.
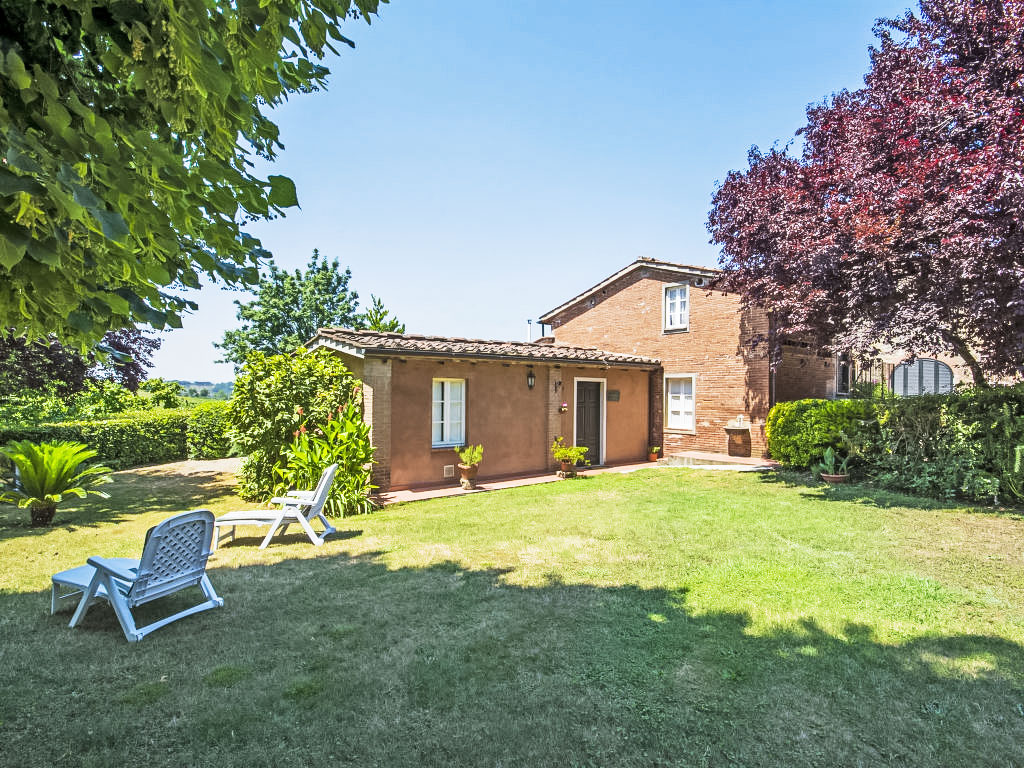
[530, 378]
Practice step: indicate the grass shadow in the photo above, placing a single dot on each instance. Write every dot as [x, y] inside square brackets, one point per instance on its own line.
[344, 659]
[865, 493]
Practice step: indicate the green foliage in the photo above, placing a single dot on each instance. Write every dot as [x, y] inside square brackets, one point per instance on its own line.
[129, 132]
[274, 396]
[289, 308]
[206, 431]
[162, 393]
[574, 454]
[830, 463]
[344, 439]
[470, 454]
[139, 437]
[98, 399]
[47, 473]
[376, 318]
[968, 444]
[800, 431]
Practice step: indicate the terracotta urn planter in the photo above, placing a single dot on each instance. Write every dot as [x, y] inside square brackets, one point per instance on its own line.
[467, 475]
[652, 456]
[567, 467]
[833, 479]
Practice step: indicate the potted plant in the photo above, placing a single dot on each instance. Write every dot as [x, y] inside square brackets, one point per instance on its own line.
[568, 456]
[832, 467]
[469, 463]
[652, 452]
[45, 474]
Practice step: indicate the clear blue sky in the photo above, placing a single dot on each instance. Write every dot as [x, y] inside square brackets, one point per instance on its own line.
[478, 163]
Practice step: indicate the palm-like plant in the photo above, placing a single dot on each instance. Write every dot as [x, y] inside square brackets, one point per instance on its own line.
[46, 473]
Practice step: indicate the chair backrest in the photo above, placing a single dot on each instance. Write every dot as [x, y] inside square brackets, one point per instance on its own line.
[174, 556]
[323, 490]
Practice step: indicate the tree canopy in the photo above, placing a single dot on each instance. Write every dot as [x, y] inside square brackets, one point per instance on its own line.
[290, 306]
[46, 364]
[128, 134]
[901, 221]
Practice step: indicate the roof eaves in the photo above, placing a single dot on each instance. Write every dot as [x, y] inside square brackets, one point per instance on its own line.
[320, 340]
[665, 266]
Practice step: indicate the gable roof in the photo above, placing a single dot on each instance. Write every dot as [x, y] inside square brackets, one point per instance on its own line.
[363, 343]
[663, 266]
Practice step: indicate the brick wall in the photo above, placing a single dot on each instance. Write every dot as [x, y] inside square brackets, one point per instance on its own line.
[732, 378]
[801, 374]
[376, 377]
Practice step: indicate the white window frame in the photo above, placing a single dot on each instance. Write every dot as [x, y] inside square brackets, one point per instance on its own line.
[684, 324]
[693, 378]
[447, 440]
[604, 414]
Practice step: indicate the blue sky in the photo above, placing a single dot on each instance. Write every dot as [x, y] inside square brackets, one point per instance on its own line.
[477, 163]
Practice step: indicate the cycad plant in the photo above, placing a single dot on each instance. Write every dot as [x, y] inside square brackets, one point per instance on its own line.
[47, 473]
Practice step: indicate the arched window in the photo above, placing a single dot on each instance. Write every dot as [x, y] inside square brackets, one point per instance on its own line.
[922, 377]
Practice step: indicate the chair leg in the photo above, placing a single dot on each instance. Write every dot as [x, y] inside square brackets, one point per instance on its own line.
[123, 611]
[273, 529]
[317, 540]
[87, 597]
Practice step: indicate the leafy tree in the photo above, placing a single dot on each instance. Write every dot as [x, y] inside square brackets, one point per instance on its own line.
[274, 397]
[290, 306]
[900, 221]
[163, 393]
[128, 132]
[46, 364]
[376, 318]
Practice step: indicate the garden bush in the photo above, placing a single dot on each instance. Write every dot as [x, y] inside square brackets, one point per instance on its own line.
[139, 437]
[800, 431]
[968, 444]
[274, 396]
[207, 431]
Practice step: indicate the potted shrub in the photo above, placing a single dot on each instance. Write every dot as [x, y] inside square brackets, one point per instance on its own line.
[831, 468]
[652, 452]
[469, 463]
[45, 474]
[568, 456]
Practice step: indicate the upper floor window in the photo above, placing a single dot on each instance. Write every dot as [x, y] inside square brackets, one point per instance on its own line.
[677, 307]
[448, 414]
[922, 377]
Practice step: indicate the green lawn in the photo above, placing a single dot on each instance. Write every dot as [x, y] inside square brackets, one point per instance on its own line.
[666, 617]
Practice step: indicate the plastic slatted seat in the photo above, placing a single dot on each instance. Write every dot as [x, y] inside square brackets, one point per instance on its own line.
[300, 507]
[173, 558]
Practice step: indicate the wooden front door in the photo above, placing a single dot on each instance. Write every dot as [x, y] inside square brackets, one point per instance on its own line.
[588, 418]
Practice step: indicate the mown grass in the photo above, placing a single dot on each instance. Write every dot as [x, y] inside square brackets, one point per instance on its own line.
[666, 617]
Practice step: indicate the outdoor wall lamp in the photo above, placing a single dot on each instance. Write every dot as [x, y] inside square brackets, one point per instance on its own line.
[530, 378]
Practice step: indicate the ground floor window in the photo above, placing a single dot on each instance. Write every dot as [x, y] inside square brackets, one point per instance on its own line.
[680, 402]
[448, 415]
[922, 377]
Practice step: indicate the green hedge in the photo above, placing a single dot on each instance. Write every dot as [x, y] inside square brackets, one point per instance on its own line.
[968, 444]
[141, 437]
[798, 432]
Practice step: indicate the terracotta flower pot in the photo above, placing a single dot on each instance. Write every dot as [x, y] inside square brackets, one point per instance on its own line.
[567, 466]
[652, 456]
[467, 475]
[833, 479]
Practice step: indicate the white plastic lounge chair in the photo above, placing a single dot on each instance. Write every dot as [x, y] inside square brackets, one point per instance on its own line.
[173, 558]
[296, 507]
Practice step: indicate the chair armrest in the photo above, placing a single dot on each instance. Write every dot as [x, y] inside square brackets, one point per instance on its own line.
[290, 501]
[301, 494]
[114, 569]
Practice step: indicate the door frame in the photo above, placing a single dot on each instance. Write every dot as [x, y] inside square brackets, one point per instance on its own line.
[602, 411]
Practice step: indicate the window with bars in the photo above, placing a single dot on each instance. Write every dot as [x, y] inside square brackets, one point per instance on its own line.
[677, 307]
[448, 413]
[680, 402]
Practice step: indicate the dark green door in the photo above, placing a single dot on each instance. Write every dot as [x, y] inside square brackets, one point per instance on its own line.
[588, 418]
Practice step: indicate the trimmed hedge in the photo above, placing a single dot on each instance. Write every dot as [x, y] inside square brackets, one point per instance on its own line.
[967, 444]
[799, 431]
[140, 437]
